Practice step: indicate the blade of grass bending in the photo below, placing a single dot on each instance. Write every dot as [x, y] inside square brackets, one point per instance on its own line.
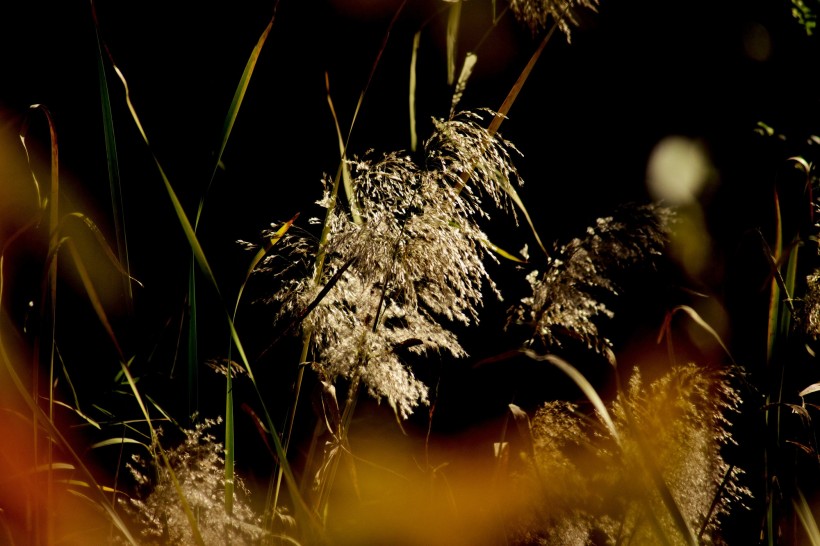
[79, 413]
[695, 316]
[98, 235]
[236, 103]
[156, 445]
[582, 383]
[91, 292]
[804, 513]
[41, 205]
[117, 208]
[230, 120]
[591, 394]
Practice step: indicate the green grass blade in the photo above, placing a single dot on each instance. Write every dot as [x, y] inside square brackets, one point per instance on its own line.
[236, 103]
[789, 280]
[91, 292]
[345, 170]
[202, 262]
[117, 208]
[774, 295]
[807, 520]
[79, 413]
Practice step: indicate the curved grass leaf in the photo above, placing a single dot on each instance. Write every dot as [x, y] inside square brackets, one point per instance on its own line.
[117, 442]
[695, 316]
[585, 386]
[117, 208]
[806, 517]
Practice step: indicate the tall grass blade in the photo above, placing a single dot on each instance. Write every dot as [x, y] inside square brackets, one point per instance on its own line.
[117, 208]
[236, 103]
[774, 295]
[807, 520]
[789, 280]
[93, 297]
[344, 169]
[203, 264]
[193, 358]
[495, 124]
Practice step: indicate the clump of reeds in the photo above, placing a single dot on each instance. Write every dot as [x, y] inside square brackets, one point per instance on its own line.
[661, 480]
[197, 465]
[570, 296]
[405, 266]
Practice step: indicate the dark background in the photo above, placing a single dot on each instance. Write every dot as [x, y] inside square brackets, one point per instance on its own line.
[585, 123]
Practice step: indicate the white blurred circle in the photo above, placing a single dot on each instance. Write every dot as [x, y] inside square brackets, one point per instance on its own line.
[677, 171]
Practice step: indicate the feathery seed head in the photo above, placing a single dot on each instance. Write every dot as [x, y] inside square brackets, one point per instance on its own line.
[536, 14]
[411, 266]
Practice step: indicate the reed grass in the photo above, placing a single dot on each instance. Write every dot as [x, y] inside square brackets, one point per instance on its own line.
[374, 297]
